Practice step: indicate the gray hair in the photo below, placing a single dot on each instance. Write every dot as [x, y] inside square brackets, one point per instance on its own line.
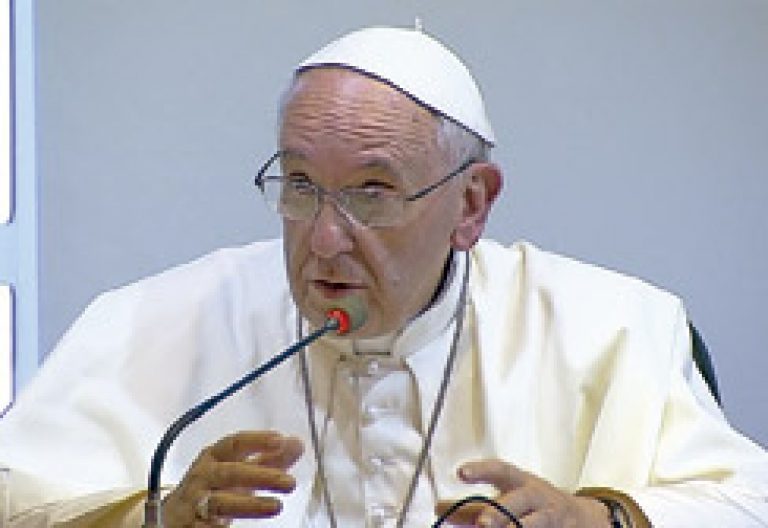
[459, 144]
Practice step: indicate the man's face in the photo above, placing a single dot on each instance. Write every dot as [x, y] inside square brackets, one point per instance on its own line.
[341, 129]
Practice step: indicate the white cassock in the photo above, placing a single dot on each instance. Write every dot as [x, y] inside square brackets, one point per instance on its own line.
[577, 374]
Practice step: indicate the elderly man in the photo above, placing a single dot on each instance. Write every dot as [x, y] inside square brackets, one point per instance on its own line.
[563, 391]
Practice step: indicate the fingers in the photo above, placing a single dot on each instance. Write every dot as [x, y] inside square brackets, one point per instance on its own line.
[224, 481]
[504, 477]
[521, 503]
[230, 505]
[262, 448]
[241, 445]
[282, 458]
[540, 519]
[534, 501]
[519, 492]
[248, 476]
[501, 475]
[254, 460]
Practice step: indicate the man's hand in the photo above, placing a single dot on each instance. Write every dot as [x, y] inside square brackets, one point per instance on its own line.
[230, 473]
[535, 502]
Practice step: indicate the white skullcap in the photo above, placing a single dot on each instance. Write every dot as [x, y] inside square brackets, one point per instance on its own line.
[417, 65]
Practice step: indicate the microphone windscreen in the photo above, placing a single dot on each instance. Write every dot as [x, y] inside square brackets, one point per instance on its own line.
[353, 314]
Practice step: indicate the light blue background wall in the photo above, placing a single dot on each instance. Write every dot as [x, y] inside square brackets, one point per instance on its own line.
[633, 135]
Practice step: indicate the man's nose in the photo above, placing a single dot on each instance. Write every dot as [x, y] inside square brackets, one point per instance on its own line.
[330, 231]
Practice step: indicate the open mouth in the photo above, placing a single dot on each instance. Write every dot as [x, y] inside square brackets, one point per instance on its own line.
[334, 290]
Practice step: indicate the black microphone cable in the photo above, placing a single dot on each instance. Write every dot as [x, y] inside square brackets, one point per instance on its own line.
[153, 517]
[476, 498]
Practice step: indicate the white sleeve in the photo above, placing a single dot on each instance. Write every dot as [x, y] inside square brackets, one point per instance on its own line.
[705, 474]
[116, 509]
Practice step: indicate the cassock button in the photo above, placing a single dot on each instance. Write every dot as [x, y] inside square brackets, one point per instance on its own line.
[373, 412]
[379, 515]
[376, 462]
[374, 367]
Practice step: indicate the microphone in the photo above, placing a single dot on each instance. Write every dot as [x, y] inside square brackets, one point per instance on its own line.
[350, 312]
[347, 316]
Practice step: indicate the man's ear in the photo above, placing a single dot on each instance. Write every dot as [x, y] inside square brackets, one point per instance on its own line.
[480, 190]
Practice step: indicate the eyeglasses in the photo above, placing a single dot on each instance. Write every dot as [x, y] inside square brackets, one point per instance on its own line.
[298, 198]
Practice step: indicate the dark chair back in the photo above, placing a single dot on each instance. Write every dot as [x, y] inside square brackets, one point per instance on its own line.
[704, 362]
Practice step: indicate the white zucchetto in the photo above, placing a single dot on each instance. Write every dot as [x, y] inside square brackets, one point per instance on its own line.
[414, 63]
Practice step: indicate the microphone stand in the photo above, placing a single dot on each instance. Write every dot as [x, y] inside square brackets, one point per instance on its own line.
[153, 516]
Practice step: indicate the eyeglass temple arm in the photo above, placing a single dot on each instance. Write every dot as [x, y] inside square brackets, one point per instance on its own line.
[426, 190]
[258, 181]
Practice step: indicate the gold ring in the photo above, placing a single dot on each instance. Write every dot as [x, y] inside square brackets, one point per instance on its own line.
[201, 510]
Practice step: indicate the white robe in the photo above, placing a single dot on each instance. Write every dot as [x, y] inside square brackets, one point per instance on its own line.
[580, 375]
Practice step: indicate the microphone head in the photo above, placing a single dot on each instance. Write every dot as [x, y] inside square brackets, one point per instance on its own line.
[350, 313]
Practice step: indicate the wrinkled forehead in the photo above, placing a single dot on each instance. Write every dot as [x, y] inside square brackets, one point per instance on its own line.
[336, 85]
[345, 108]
